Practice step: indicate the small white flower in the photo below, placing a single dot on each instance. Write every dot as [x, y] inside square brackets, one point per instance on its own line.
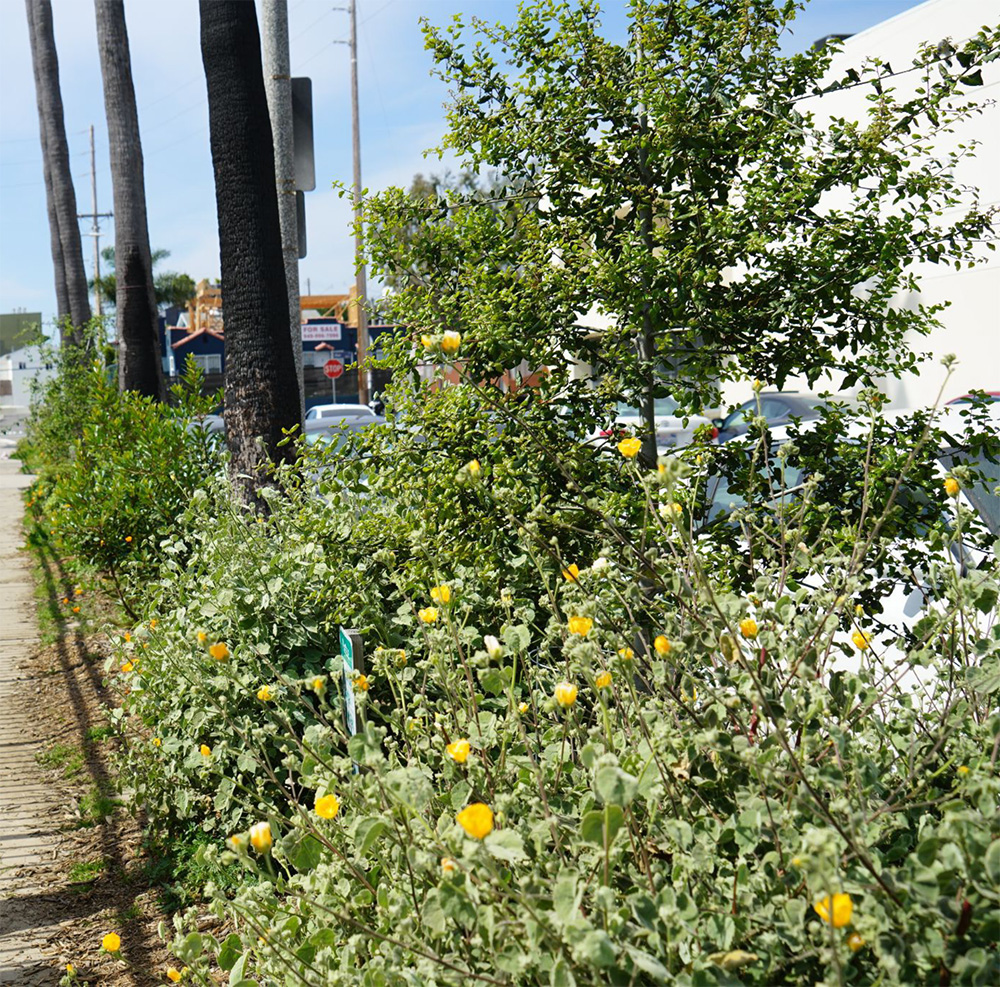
[600, 563]
[493, 647]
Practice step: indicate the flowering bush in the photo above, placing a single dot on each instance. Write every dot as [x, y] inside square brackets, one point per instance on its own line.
[643, 771]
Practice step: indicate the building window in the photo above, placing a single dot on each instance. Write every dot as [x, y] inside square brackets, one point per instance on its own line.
[210, 363]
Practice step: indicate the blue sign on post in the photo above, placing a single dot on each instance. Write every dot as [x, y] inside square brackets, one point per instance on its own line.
[353, 654]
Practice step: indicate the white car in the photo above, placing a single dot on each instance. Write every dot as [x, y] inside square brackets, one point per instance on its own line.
[341, 411]
[672, 430]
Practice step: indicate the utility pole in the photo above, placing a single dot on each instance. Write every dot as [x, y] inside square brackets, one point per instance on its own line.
[361, 285]
[95, 228]
[278, 85]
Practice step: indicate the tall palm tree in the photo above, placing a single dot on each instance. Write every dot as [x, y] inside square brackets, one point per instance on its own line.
[140, 367]
[261, 387]
[55, 152]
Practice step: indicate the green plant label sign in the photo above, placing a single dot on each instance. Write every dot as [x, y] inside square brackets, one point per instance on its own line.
[353, 654]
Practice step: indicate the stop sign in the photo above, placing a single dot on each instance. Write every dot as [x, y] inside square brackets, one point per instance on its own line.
[333, 368]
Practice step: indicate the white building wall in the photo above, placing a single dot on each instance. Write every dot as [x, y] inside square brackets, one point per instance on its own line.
[20, 368]
[971, 324]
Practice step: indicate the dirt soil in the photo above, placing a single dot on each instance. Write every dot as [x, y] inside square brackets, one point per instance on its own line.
[96, 881]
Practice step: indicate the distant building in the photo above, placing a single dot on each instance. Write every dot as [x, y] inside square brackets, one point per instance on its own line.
[329, 331]
[19, 370]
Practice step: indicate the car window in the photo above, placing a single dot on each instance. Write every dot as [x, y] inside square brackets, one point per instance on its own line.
[725, 501]
[661, 406]
[773, 408]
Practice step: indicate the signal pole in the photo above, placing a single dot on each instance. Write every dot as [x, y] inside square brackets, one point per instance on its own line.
[95, 228]
[360, 276]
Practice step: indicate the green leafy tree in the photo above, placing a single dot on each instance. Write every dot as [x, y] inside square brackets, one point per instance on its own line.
[173, 290]
[681, 185]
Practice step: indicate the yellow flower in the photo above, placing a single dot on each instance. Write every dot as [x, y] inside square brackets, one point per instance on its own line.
[78, 591]
[603, 680]
[202, 637]
[837, 913]
[362, 683]
[157, 741]
[112, 942]
[264, 694]
[963, 769]
[458, 750]
[748, 628]
[65, 599]
[476, 820]
[662, 645]
[128, 637]
[451, 341]
[859, 611]
[441, 594]
[70, 969]
[260, 836]
[580, 625]
[796, 861]
[429, 615]
[76, 609]
[318, 683]
[629, 448]
[626, 653]
[238, 842]
[951, 486]
[861, 640]
[855, 942]
[219, 651]
[571, 573]
[427, 342]
[127, 667]
[327, 807]
[206, 751]
[475, 470]
[522, 708]
[153, 623]
[565, 693]
[448, 866]
[128, 538]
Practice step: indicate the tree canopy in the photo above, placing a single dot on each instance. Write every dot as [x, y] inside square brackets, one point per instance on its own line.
[684, 186]
[173, 290]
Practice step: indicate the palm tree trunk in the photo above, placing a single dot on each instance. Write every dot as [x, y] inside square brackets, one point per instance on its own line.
[139, 365]
[56, 153]
[261, 386]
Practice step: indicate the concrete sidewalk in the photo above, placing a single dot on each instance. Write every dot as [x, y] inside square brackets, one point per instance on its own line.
[29, 828]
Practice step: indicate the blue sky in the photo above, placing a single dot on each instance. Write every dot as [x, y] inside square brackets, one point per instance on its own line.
[401, 112]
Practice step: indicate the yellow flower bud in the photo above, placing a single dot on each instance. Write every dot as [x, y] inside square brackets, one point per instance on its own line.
[476, 819]
[748, 628]
[451, 341]
[458, 750]
[580, 625]
[260, 836]
[951, 487]
[327, 806]
[565, 694]
[629, 448]
[603, 680]
[836, 912]
[429, 615]
[441, 594]
[662, 645]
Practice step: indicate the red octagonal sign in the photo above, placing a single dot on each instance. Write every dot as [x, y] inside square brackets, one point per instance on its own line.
[333, 368]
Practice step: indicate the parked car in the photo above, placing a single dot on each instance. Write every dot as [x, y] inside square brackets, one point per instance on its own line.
[672, 430]
[778, 407]
[334, 429]
[980, 395]
[916, 589]
[339, 411]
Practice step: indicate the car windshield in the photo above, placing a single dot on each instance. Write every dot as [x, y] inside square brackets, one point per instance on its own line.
[661, 406]
[725, 501]
[983, 494]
